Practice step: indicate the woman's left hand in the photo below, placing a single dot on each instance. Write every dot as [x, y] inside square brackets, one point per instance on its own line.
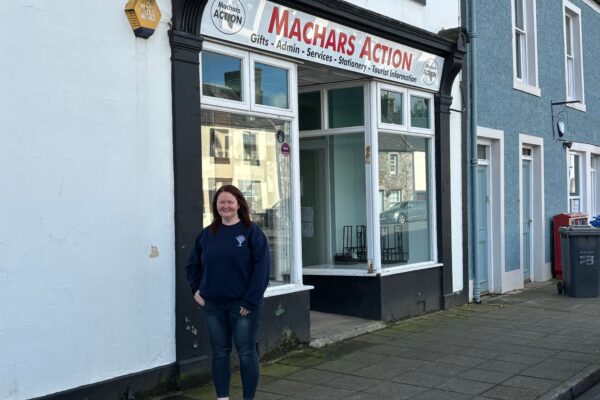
[244, 311]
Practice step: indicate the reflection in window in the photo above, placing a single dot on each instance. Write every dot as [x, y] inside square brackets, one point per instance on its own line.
[250, 149]
[219, 145]
[393, 164]
[404, 214]
[419, 112]
[251, 191]
[221, 76]
[266, 183]
[391, 107]
[271, 85]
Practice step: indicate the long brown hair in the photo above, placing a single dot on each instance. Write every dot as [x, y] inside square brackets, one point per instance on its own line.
[243, 212]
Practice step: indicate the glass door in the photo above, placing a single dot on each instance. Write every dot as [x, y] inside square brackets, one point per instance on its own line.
[333, 179]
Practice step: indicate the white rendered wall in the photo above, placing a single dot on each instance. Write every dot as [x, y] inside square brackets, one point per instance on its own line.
[87, 189]
[433, 17]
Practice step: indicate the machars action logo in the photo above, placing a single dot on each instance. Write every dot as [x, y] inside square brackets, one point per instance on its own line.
[228, 16]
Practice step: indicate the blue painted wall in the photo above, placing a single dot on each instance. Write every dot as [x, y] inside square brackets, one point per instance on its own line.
[514, 112]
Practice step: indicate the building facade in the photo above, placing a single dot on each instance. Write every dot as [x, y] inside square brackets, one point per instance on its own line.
[537, 131]
[342, 123]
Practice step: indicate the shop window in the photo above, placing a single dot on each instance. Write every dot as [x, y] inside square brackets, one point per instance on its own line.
[405, 227]
[392, 109]
[525, 47]
[573, 53]
[271, 86]
[345, 107]
[266, 183]
[420, 112]
[575, 182]
[309, 107]
[222, 76]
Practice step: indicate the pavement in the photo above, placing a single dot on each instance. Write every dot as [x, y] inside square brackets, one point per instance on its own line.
[529, 344]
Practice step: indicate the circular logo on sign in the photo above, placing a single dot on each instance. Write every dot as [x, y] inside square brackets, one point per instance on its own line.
[430, 72]
[228, 16]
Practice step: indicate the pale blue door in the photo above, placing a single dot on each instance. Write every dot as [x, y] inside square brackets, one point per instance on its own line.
[526, 204]
[483, 201]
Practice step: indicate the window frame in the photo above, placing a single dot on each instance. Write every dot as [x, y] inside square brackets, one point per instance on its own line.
[529, 81]
[248, 59]
[407, 130]
[415, 129]
[405, 112]
[232, 52]
[574, 13]
[577, 172]
[291, 70]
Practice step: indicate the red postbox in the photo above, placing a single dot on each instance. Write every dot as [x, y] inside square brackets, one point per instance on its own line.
[558, 221]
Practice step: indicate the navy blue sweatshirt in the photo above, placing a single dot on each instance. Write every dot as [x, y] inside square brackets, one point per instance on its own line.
[231, 264]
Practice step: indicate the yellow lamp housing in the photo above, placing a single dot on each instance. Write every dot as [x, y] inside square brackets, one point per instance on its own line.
[143, 16]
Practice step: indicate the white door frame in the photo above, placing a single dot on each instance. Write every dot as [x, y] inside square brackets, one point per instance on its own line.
[495, 139]
[487, 163]
[540, 270]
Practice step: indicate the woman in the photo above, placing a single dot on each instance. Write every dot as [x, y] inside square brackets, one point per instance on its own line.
[228, 272]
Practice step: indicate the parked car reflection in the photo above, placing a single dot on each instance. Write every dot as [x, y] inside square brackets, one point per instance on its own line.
[405, 211]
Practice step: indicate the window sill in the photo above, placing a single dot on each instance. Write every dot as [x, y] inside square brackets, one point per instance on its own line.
[523, 87]
[286, 289]
[384, 271]
[409, 268]
[578, 106]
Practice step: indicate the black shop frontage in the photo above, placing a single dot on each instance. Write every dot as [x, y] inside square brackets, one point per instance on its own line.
[334, 122]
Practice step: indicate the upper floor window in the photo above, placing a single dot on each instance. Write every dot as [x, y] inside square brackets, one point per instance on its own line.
[573, 54]
[525, 46]
[238, 79]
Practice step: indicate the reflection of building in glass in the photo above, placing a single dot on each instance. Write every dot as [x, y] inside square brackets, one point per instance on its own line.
[251, 166]
[396, 177]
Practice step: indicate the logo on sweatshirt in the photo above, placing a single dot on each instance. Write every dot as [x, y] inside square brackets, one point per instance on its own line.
[240, 240]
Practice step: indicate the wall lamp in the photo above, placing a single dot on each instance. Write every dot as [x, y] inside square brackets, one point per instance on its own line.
[560, 119]
[567, 145]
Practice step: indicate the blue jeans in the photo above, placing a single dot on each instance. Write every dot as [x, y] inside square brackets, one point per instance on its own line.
[224, 322]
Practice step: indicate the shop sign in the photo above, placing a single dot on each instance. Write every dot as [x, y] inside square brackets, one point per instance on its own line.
[271, 27]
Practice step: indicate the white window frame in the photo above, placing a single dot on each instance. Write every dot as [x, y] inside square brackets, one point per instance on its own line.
[579, 181]
[375, 90]
[291, 69]
[248, 90]
[589, 184]
[426, 95]
[529, 82]
[226, 103]
[574, 13]
[405, 101]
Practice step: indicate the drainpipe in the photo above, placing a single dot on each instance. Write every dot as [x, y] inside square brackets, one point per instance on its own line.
[473, 108]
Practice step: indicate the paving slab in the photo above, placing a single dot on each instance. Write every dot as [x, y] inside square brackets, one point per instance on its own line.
[530, 344]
